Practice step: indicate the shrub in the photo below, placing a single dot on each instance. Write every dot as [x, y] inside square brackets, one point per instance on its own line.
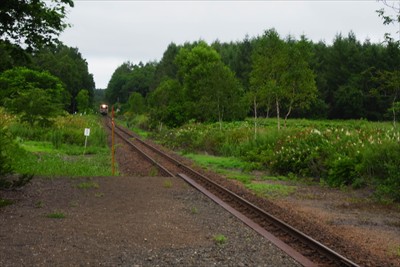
[25, 131]
[9, 151]
[139, 121]
[302, 152]
[381, 163]
[343, 171]
[5, 152]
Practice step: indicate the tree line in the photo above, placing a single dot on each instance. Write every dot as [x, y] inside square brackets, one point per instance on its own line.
[44, 83]
[267, 75]
[39, 76]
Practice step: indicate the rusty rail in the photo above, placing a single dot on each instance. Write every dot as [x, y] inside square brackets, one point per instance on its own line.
[333, 257]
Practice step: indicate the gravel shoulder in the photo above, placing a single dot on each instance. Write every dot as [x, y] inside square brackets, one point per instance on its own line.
[126, 221]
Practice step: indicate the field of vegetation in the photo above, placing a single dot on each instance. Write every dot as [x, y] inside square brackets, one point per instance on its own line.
[56, 150]
[352, 153]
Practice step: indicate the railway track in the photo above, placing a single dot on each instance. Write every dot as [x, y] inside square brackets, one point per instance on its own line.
[298, 245]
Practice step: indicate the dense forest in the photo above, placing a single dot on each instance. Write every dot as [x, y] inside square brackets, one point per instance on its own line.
[266, 76]
[22, 69]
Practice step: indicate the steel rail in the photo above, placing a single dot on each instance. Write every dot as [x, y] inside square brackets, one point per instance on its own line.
[305, 239]
[145, 155]
[256, 227]
[331, 254]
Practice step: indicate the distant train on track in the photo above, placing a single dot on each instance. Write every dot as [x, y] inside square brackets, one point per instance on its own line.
[103, 109]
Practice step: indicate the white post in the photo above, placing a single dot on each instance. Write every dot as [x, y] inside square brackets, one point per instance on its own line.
[87, 133]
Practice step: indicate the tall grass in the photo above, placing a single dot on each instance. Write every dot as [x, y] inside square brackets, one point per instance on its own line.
[338, 153]
[68, 129]
[59, 150]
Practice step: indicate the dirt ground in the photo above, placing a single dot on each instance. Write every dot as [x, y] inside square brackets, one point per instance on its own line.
[349, 214]
[125, 221]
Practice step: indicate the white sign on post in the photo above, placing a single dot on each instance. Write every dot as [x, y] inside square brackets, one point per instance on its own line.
[87, 133]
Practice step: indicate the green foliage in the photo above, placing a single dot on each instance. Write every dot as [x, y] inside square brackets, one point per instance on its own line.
[273, 76]
[6, 149]
[217, 162]
[338, 153]
[67, 64]
[390, 86]
[12, 56]
[139, 122]
[34, 23]
[129, 78]
[74, 164]
[381, 163]
[136, 103]
[166, 68]
[349, 101]
[9, 153]
[220, 239]
[65, 130]
[244, 178]
[281, 75]
[59, 150]
[167, 104]
[343, 171]
[211, 90]
[56, 138]
[230, 167]
[296, 152]
[34, 96]
[205, 137]
[82, 101]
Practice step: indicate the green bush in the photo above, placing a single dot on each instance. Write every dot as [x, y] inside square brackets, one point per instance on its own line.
[139, 121]
[381, 164]
[343, 171]
[73, 136]
[24, 131]
[9, 153]
[5, 152]
[302, 152]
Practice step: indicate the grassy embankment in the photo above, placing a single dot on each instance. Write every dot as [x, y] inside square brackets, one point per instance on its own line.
[59, 150]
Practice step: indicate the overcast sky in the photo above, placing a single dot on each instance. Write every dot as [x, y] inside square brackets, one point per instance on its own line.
[108, 33]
